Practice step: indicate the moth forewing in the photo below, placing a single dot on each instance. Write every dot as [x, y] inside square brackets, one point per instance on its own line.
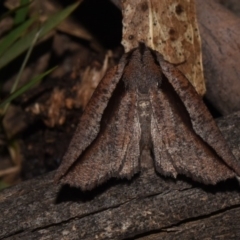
[89, 125]
[201, 119]
[156, 110]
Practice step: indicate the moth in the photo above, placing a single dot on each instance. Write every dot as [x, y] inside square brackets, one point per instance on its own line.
[146, 103]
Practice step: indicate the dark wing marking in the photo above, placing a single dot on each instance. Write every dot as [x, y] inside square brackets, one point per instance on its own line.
[110, 153]
[89, 124]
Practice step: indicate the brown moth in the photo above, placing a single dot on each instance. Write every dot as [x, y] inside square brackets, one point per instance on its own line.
[146, 103]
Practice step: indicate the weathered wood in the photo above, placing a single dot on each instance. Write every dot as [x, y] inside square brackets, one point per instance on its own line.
[148, 207]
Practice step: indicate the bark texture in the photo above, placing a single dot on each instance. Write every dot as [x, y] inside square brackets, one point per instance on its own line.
[148, 207]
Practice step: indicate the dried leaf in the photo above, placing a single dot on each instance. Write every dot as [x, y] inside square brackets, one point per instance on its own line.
[170, 27]
[90, 78]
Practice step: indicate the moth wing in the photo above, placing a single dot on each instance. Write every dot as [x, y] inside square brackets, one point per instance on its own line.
[110, 154]
[177, 148]
[89, 124]
[201, 120]
[131, 163]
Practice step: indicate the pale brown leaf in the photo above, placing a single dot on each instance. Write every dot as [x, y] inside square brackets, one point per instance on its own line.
[170, 27]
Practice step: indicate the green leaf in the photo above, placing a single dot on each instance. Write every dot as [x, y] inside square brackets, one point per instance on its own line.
[26, 87]
[22, 44]
[21, 13]
[10, 12]
[7, 41]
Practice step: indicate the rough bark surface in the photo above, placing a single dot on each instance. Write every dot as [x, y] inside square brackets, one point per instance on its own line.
[148, 207]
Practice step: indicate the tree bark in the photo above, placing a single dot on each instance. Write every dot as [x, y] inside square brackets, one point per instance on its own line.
[148, 207]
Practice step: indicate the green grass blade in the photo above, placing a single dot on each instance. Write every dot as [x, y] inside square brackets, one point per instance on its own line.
[21, 45]
[26, 87]
[15, 85]
[7, 41]
[21, 13]
[10, 12]
[58, 18]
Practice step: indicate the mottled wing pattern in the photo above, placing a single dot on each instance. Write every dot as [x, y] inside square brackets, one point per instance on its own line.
[178, 149]
[185, 137]
[89, 125]
[119, 120]
[201, 119]
[111, 153]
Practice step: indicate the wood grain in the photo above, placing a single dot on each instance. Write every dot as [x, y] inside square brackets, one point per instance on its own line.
[148, 207]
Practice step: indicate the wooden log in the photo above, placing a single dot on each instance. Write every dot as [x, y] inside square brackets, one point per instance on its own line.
[148, 207]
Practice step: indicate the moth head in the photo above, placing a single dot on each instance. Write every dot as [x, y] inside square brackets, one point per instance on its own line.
[142, 72]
